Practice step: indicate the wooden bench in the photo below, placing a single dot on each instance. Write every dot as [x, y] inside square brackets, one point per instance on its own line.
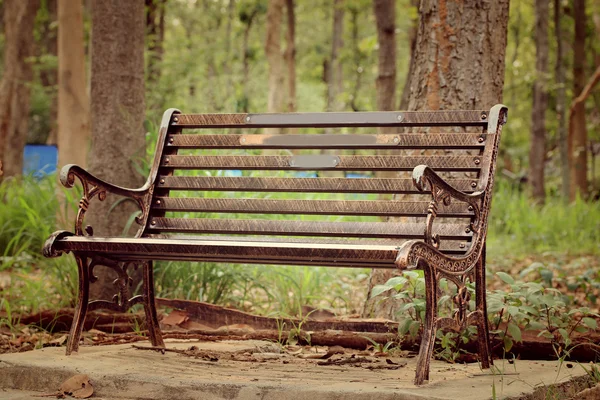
[434, 220]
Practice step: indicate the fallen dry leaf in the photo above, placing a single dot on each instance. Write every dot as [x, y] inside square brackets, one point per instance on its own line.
[176, 318]
[58, 341]
[78, 386]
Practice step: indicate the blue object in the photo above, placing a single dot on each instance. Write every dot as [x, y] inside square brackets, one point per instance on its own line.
[357, 176]
[305, 174]
[39, 160]
[233, 172]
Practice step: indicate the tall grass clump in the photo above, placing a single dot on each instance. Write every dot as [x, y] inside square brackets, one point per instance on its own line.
[29, 211]
[519, 226]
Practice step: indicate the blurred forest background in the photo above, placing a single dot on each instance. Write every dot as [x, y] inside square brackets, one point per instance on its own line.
[213, 56]
[75, 70]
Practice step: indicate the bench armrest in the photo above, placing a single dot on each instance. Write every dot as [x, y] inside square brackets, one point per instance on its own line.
[443, 193]
[93, 186]
[415, 251]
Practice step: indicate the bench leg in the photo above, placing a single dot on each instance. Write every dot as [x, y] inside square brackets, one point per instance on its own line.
[81, 307]
[481, 307]
[150, 306]
[429, 330]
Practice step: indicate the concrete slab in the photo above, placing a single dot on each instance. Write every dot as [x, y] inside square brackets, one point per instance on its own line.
[122, 372]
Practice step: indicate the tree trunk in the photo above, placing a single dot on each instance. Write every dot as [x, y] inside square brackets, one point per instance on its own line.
[73, 133]
[537, 150]
[577, 130]
[247, 19]
[117, 113]
[290, 55]
[385, 17]
[458, 64]
[275, 101]
[561, 101]
[358, 58]
[73, 99]
[19, 17]
[228, 61]
[48, 46]
[412, 36]
[155, 33]
[334, 73]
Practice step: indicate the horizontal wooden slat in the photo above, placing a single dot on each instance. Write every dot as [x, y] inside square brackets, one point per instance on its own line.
[344, 163]
[330, 141]
[309, 185]
[312, 207]
[334, 119]
[305, 228]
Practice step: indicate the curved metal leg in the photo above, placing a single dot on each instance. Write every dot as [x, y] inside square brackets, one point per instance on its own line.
[81, 307]
[481, 306]
[428, 339]
[150, 306]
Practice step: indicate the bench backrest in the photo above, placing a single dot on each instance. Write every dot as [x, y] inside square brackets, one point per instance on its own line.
[336, 175]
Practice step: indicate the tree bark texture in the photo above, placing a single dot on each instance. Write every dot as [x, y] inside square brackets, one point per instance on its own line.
[334, 73]
[459, 55]
[561, 101]
[458, 64]
[385, 17]
[537, 150]
[290, 55]
[19, 17]
[577, 143]
[117, 114]
[275, 101]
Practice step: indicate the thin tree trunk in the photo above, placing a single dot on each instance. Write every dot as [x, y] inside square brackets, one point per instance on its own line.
[249, 19]
[155, 26]
[117, 114]
[73, 133]
[49, 75]
[73, 99]
[275, 101]
[577, 129]
[453, 71]
[357, 58]
[561, 98]
[537, 150]
[412, 36]
[19, 17]
[228, 61]
[334, 74]
[385, 17]
[290, 55]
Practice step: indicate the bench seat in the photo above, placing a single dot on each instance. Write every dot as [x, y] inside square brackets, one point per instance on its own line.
[373, 254]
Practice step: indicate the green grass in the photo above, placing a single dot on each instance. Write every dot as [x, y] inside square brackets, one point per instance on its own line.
[518, 227]
[29, 213]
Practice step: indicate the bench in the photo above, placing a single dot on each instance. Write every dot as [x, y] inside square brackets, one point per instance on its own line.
[434, 220]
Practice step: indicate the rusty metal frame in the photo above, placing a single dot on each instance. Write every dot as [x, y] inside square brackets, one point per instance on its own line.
[436, 254]
[425, 254]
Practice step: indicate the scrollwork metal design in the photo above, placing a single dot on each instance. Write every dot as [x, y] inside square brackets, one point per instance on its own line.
[121, 301]
[93, 187]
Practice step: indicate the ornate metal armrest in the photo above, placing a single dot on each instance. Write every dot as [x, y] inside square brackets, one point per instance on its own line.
[442, 192]
[93, 187]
